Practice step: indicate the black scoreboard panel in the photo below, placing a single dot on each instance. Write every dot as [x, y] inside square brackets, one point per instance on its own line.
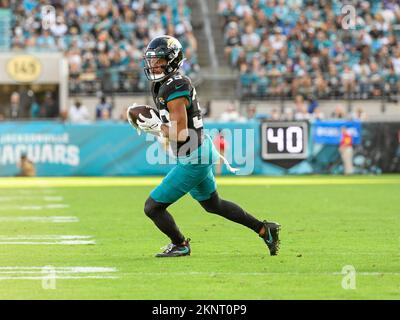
[284, 140]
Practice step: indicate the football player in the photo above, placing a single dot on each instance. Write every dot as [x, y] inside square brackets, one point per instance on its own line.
[181, 122]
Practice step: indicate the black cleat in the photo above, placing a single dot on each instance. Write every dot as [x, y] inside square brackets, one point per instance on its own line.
[271, 237]
[173, 250]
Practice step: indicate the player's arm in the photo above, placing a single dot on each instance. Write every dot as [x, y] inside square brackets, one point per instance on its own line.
[178, 127]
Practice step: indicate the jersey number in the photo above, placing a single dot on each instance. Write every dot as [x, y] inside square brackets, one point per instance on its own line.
[170, 80]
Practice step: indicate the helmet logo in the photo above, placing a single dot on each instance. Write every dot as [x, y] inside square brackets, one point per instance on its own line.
[171, 43]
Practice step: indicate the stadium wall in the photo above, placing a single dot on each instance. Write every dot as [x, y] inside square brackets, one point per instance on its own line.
[375, 110]
[114, 149]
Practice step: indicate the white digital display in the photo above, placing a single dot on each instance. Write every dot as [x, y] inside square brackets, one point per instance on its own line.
[284, 140]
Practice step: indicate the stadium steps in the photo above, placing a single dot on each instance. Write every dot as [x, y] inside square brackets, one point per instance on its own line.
[217, 79]
[217, 28]
[199, 32]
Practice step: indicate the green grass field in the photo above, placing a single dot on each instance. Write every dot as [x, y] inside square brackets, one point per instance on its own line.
[327, 223]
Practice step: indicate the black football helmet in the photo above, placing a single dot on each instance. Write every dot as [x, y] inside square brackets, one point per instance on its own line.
[164, 54]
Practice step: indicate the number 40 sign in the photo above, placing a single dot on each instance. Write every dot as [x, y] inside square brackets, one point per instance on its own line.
[284, 140]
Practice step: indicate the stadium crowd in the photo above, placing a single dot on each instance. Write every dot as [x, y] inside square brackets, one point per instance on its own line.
[283, 48]
[103, 40]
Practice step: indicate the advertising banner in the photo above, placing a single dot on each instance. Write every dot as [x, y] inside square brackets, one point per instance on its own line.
[330, 132]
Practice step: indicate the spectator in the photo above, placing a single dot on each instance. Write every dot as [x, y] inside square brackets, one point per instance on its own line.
[348, 80]
[312, 105]
[105, 115]
[275, 115]
[251, 112]
[346, 151]
[64, 115]
[232, 39]
[78, 113]
[250, 39]
[359, 115]
[59, 29]
[48, 107]
[288, 114]
[115, 30]
[317, 114]
[101, 107]
[307, 37]
[26, 167]
[339, 112]
[230, 115]
[15, 110]
[35, 108]
[300, 109]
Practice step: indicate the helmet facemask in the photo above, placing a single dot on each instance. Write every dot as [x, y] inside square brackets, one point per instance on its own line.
[155, 66]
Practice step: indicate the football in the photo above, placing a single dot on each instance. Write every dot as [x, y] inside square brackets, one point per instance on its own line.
[134, 111]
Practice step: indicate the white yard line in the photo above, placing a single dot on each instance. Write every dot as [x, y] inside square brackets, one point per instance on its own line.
[48, 219]
[35, 191]
[58, 269]
[30, 207]
[45, 207]
[56, 206]
[56, 273]
[47, 240]
[53, 199]
[67, 242]
[32, 197]
[35, 207]
[44, 237]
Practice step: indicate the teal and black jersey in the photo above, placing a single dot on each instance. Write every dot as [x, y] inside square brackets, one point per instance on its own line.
[177, 86]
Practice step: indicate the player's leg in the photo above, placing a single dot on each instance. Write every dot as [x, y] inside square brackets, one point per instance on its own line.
[179, 181]
[157, 212]
[206, 194]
